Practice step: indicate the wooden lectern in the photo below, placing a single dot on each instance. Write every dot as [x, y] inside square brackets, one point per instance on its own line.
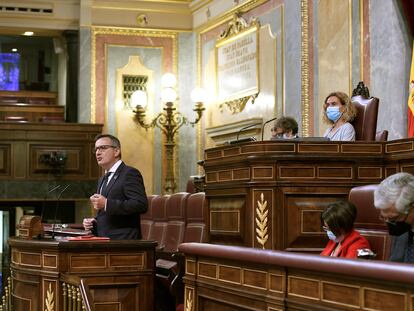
[72, 275]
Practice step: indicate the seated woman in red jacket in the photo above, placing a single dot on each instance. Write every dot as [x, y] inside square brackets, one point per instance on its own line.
[344, 241]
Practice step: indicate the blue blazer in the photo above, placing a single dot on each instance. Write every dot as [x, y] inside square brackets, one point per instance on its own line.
[126, 200]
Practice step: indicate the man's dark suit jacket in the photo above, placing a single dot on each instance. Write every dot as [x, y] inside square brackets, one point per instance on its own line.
[126, 200]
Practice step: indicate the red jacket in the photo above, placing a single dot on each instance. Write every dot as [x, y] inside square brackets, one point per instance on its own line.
[349, 246]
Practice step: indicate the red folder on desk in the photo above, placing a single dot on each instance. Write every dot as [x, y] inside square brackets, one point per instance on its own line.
[88, 238]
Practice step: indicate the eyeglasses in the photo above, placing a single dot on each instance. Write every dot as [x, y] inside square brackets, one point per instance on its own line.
[102, 148]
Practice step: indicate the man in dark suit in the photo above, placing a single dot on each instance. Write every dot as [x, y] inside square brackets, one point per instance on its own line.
[120, 197]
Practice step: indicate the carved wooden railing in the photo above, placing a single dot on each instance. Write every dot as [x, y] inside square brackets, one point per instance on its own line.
[75, 294]
[6, 298]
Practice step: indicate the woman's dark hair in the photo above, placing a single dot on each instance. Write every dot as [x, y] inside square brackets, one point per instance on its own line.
[287, 124]
[340, 217]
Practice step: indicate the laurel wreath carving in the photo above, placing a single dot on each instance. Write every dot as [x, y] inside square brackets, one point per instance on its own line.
[49, 301]
[189, 302]
[261, 221]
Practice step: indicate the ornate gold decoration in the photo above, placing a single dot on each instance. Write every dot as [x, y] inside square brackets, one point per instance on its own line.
[130, 84]
[95, 31]
[261, 221]
[227, 15]
[49, 301]
[305, 68]
[238, 24]
[189, 302]
[238, 30]
[237, 105]
[169, 122]
[142, 20]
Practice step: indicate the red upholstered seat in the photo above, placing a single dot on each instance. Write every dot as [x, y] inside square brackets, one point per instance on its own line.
[176, 208]
[146, 219]
[159, 218]
[368, 222]
[195, 230]
[365, 122]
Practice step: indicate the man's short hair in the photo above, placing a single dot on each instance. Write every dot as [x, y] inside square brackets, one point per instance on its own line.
[114, 140]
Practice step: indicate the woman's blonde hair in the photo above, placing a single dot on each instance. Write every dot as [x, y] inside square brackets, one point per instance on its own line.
[350, 111]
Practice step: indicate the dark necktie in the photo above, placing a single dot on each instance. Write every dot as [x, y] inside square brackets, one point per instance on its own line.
[105, 182]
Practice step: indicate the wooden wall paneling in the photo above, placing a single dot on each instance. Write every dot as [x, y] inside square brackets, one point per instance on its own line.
[76, 159]
[227, 216]
[242, 287]
[24, 144]
[305, 176]
[5, 157]
[302, 216]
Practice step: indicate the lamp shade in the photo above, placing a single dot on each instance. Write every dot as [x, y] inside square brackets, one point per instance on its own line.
[168, 80]
[139, 98]
[198, 95]
[168, 95]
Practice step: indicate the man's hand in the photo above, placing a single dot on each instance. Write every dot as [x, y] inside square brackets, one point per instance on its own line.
[88, 223]
[98, 201]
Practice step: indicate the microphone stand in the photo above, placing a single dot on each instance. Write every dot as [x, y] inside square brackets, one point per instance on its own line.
[265, 124]
[44, 201]
[244, 128]
[56, 210]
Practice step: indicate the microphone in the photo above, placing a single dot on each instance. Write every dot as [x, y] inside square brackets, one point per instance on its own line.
[44, 201]
[265, 124]
[244, 128]
[56, 210]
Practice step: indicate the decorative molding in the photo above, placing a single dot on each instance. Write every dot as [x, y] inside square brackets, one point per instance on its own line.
[305, 68]
[142, 20]
[238, 32]
[49, 300]
[261, 221]
[237, 105]
[189, 301]
[100, 30]
[228, 15]
[237, 25]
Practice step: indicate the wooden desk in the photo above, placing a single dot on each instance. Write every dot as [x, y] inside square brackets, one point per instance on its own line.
[229, 278]
[32, 112]
[115, 274]
[28, 97]
[270, 194]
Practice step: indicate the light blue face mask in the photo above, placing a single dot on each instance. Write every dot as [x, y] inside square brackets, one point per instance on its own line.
[333, 113]
[332, 236]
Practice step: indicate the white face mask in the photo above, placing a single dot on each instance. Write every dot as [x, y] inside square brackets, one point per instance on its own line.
[286, 136]
[333, 237]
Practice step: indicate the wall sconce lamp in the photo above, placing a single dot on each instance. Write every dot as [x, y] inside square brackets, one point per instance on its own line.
[168, 121]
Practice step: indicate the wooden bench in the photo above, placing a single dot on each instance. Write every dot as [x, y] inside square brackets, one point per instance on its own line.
[220, 277]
